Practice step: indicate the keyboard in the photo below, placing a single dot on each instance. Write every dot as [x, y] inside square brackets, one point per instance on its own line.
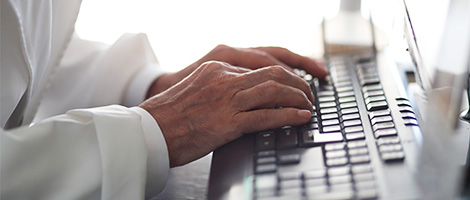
[351, 139]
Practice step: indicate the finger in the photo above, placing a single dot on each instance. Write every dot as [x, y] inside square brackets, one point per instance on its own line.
[311, 66]
[247, 58]
[254, 59]
[267, 119]
[271, 94]
[278, 74]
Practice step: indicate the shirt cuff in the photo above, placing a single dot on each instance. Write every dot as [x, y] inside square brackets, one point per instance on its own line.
[158, 161]
[140, 84]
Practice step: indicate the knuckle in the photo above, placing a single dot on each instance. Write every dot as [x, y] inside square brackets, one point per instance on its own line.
[212, 65]
[221, 47]
[283, 49]
[269, 86]
[261, 53]
[277, 70]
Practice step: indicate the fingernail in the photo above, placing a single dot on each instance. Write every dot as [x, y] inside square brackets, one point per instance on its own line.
[304, 114]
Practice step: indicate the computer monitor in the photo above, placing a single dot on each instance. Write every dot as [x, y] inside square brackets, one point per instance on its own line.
[438, 35]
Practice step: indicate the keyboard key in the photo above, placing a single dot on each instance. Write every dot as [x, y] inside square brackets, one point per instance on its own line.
[265, 145]
[326, 99]
[333, 195]
[347, 99]
[379, 113]
[333, 128]
[325, 93]
[405, 109]
[383, 125]
[335, 154]
[385, 132]
[376, 120]
[354, 122]
[379, 105]
[316, 190]
[343, 83]
[371, 88]
[336, 161]
[410, 122]
[347, 105]
[341, 79]
[356, 144]
[292, 175]
[288, 159]
[266, 160]
[327, 105]
[344, 89]
[340, 179]
[374, 99]
[263, 136]
[393, 156]
[370, 81]
[339, 73]
[330, 122]
[266, 182]
[290, 193]
[350, 117]
[328, 137]
[345, 94]
[296, 183]
[408, 115]
[339, 171]
[310, 126]
[388, 140]
[353, 129]
[287, 138]
[355, 136]
[390, 147]
[265, 194]
[266, 153]
[367, 194]
[315, 182]
[328, 110]
[363, 185]
[358, 151]
[266, 168]
[314, 174]
[361, 168]
[334, 146]
[330, 116]
[373, 93]
[349, 111]
[359, 159]
[403, 103]
[307, 137]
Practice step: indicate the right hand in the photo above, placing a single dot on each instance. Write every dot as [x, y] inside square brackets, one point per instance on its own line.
[219, 102]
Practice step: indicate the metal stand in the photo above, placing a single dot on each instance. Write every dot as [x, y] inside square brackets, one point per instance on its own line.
[465, 115]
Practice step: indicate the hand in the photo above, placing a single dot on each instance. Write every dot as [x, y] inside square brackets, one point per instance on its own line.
[219, 102]
[250, 58]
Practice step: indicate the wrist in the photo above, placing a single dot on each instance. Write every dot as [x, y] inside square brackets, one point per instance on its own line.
[160, 84]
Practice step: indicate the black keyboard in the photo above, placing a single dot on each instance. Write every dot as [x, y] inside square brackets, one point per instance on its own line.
[336, 128]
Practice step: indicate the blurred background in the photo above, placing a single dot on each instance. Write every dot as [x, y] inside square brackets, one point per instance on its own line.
[182, 31]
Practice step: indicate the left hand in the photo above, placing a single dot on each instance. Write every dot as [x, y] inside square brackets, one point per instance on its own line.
[250, 58]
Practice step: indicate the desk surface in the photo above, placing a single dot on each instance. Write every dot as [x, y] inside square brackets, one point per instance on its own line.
[188, 182]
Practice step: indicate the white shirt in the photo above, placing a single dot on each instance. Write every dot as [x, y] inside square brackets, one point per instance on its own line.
[52, 78]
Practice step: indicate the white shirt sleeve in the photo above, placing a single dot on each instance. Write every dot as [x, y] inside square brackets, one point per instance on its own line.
[94, 74]
[141, 83]
[110, 152]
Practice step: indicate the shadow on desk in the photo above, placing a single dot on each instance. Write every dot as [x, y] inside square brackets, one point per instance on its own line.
[188, 181]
